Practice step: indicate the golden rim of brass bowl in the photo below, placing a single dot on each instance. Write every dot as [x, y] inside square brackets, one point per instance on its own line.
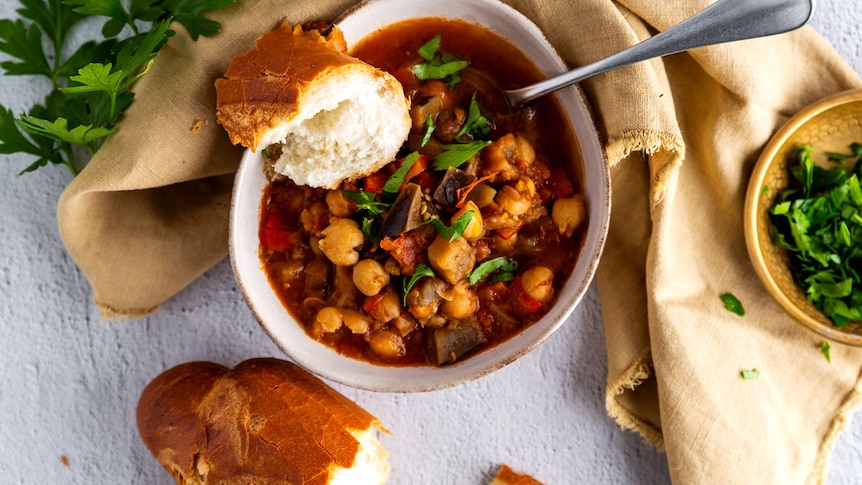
[829, 125]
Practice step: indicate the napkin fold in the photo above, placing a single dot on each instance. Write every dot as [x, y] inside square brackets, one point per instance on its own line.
[149, 214]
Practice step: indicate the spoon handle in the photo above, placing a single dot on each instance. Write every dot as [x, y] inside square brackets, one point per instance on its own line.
[723, 21]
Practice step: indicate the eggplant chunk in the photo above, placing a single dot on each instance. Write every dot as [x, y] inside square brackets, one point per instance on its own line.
[405, 213]
[453, 179]
[455, 340]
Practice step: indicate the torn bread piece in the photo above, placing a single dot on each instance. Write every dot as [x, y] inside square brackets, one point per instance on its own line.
[506, 476]
[329, 116]
[266, 421]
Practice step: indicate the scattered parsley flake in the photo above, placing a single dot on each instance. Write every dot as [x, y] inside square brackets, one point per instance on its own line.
[732, 304]
[825, 350]
[749, 374]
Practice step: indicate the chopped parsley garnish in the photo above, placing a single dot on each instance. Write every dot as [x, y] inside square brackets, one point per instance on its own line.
[825, 350]
[732, 303]
[430, 126]
[456, 154]
[501, 267]
[393, 183]
[818, 221]
[438, 65]
[476, 124]
[749, 374]
[365, 201]
[454, 231]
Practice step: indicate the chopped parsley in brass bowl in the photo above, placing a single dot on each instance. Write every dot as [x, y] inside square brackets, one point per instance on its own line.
[803, 217]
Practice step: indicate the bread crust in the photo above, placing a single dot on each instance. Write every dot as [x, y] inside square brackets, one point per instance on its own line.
[266, 421]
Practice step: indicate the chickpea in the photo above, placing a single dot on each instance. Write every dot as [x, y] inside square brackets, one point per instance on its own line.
[508, 153]
[505, 246]
[329, 318]
[451, 261]
[512, 201]
[356, 321]
[340, 240]
[482, 195]
[311, 216]
[385, 307]
[370, 277]
[464, 303]
[386, 344]
[569, 213]
[524, 153]
[339, 205]
[538, 282]
[474, 229]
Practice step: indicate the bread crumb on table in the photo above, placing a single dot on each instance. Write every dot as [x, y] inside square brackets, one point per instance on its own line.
[196, 127]
[507, 476]
[65, 460]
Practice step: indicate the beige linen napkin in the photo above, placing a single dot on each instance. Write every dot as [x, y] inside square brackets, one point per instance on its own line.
[149, 214]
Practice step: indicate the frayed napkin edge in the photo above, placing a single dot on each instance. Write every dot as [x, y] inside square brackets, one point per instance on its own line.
[113, 314]
[640, 370]
[665, 152]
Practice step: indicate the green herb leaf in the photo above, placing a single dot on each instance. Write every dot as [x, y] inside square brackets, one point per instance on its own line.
[476, 124]
[393, 183]
[188, 13]
[456, 154]
[731, 303]
[59, 130]
[24, 44]
[503, 266]
[366, 201]
[429, 49]
[749, 374]
[454, 231]
[824, 349]
[818, 221]
[430, 126]
[421, 271]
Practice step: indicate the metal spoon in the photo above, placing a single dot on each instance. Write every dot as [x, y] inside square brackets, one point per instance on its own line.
[723, 21]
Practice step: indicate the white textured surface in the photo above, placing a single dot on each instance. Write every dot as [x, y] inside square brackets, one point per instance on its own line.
[69, 382]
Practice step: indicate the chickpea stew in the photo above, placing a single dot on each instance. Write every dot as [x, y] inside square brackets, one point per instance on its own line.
[458, 244]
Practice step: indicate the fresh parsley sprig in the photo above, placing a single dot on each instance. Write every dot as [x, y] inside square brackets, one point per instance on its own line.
[421, 271]
[453, 232]
[502, 269]
[438, 65]
[454, 155]
[90, 84]
[476, 125]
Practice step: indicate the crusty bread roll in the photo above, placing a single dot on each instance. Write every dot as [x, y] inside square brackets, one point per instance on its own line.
[264, 422]
[336, 116]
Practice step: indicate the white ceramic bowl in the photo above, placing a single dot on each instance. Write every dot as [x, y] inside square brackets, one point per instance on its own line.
[250, 182]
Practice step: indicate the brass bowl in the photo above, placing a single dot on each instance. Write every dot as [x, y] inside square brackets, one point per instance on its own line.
[829, 125]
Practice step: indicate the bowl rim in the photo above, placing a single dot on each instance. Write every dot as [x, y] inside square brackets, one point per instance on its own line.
[428, 378]
[752, 214]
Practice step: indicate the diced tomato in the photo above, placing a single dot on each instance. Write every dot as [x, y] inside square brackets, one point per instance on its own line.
[275, 236]
[509, 232]
[372, 304]
[376, 181]
[419, 166]
[562, 185]
[403, 249]
[522, 303]
[424, 180]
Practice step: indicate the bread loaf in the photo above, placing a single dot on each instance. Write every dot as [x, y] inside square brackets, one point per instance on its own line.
[264, 422]
[332, 116]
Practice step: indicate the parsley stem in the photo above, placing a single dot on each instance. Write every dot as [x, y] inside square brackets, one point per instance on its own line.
[69, 161]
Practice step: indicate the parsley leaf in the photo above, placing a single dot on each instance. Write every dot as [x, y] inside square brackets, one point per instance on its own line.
[438, 65]
[476, 124]
[393, 183]
[365, 201]
[824, 349]
[454, 231]
[503, 266]
[749, 374]
[731, 303]
[456, 154]
[430, 126]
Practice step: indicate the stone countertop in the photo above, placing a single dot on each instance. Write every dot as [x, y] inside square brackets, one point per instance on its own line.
[69, 382]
